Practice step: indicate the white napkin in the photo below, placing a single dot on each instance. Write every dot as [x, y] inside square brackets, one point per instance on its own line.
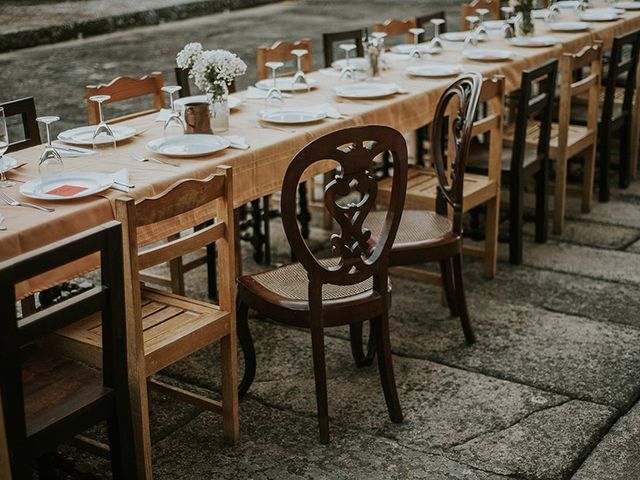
[122, 177]
[325, 108]
[68, 151]
[163, 115]
[237, 142]
[254, 93]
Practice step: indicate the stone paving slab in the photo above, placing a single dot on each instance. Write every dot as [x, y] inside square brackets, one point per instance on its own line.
[590, 235]
[617, 456]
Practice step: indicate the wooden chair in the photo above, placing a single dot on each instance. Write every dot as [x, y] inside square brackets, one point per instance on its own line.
[520, 160]
[48, 399]
[281, 52]
[329, 41]
[164, 328]
[311, 294]
[126, 88]
[424, 21]
[427, 236]
[469, 9]
[5, 466]
[394, 27]
[478, 189]
[182, 79]
[26, 108]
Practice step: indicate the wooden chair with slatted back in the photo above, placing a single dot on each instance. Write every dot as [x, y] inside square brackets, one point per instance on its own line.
[329, 40]
[281, 52]
[126, 88]
[478, 189]
[26, 108]
[352, 285]
[394, 27]
[469, 9]
[47, 398]
[163, 327]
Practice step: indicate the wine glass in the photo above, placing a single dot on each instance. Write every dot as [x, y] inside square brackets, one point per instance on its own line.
[347, 70]
[4, 145]
[481, 31]
[436, 44]
[415, 51]
[274, 95]
[299, 77]
[379, 38]
[103, 136]
[508, 29]
[174, 125]
[50, 161]
[471, 40]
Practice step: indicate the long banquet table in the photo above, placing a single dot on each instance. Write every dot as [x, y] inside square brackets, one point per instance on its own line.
[258, 171]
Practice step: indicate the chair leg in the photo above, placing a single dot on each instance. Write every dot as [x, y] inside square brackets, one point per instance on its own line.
[542, 202]
[355, 336]
[177, 276]
[446, 271]
[320, 374]
[246, 343]
[625, 153]
[588, 179]
[515, 221]
[420, 138]
[560, 195]
[230, 413]
[304, 216]
[121, 446]
[212, 273]
[491, 238]
[605, 166]
[469, 335]
[141, 431]
[380, 329]
[266, 218]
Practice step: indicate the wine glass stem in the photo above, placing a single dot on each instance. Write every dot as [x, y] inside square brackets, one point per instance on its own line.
[48, 135]
[299, 63]
[100, 112]
[2, 177]
[273, 74]
[171, 102]
[436, 32]
[347, 52]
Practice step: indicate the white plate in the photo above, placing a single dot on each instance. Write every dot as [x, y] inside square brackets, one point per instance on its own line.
[407, 48]
[291, 116]
[93, 183]
[540, 14]
[535, 42]
[569, 26]
[191, 145]
[7, 163]
[234, 102]
[599, 16]
[567, 4]
[357, 63]
[435, 71]
[488, 55]
[84, 135]
[454, 36]
[629, 5]
[365, 90]
[285, 84]
[493, 24]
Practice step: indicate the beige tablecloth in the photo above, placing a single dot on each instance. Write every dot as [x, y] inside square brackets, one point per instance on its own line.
[259, 171]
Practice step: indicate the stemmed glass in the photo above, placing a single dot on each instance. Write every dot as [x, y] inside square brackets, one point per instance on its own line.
[174, 125]
[274, 95]
[471, 40]
[50, 160]
[379, 38]
[4, 145]
[299, 77]
[415, 52]
[103, 137]
[436, 44]
[481, 31]
[347, 70]
[508, 29]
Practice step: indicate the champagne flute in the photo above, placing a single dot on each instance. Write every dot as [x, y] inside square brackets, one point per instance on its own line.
[173, 126]
[103, 136]
[299, 77]
[471, 40]
[436, 44]
[347, 70]
[415, 51]
[4, 145]
[481, 31]
[50, 161]
[274, 95]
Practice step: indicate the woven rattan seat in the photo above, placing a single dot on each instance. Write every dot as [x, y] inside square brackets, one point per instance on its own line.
[416, 226]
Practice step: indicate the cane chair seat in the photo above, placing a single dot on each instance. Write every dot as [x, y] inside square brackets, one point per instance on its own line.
[417, 227]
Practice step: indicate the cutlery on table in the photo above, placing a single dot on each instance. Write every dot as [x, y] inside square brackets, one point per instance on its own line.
[140, 158]
[269, 127]
[2, 227]
[122, 184]
[15, 203]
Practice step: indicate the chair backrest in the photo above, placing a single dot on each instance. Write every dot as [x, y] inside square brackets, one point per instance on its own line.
[183, 206]
[358, 256]
[622, 62]
[580, 74]
[450, 154]
[394, 27]
[182, 79]
[329, 41]
[535, 101]
[107, 300]
[281, 52]
[425, 21]
[469, 9]
[26, 108]
[126, 88]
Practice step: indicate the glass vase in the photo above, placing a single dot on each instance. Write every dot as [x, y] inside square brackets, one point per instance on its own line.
[219, 113]
[524, 24]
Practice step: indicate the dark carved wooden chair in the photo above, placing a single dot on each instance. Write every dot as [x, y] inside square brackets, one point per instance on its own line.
[26, 108]
[182, 79]
[427, 236]
[521, 160]
[48, 399]
[329, 41]
[350, 287]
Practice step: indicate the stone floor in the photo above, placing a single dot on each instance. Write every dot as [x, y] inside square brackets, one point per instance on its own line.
[549, 391]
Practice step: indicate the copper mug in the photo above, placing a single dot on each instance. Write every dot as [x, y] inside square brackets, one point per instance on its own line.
[196, 116]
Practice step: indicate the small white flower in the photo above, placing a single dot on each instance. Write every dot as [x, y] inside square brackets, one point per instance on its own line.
[187, 57]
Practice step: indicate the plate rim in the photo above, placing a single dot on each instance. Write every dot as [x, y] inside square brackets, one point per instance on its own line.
[459, 71]
[312, 83]
[61, 136]
[320, 116]
[189, 155]
[338, 87]
[468, 54]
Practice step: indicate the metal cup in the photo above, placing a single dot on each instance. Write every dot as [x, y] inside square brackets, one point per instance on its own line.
[196, 116]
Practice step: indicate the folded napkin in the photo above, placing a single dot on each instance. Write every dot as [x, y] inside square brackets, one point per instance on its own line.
[325, 108]
[122, 177]
[254, 93]
[237, 142]
[68, 151]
